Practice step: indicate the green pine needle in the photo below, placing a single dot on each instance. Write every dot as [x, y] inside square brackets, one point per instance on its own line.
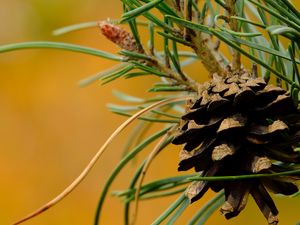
[74, 27]
[138, 11]
[243, 177]
[120, 166]
[180, 200]
[62, 46]
[205, 212]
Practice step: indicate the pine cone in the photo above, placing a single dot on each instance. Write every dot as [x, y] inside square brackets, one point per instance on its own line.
[240, 125]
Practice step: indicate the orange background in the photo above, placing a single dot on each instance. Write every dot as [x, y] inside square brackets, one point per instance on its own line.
[50, 128]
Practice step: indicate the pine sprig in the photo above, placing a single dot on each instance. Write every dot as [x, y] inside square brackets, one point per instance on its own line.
[266, 33]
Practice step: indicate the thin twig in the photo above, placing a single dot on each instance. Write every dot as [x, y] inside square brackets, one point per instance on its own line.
[155, 151]
[93, 161]
[191, 84]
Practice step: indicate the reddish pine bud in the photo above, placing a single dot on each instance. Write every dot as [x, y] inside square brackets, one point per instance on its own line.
[118, 35]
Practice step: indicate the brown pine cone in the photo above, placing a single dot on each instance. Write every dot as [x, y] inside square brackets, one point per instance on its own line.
[240, 125]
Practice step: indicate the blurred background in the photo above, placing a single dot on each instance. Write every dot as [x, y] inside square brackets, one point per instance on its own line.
[50, 127]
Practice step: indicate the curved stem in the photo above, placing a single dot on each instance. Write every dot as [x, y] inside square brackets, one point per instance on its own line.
[119, 167]
[159, 146]
[93, 161]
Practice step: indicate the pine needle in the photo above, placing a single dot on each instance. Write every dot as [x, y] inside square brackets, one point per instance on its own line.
[159, 146]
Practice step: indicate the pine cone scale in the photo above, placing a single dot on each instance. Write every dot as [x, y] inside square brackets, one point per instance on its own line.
[240, 125]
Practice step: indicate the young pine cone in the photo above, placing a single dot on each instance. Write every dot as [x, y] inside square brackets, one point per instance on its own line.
[240, 125]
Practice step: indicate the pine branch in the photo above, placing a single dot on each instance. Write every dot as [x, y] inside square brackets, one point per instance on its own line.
[220, 108]
[233, 24]
[200, 42]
